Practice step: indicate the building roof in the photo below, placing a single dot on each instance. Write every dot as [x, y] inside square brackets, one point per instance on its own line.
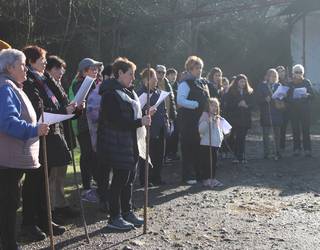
[302, 6]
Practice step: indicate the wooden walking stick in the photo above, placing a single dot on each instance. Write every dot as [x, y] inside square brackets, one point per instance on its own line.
[77, 185]
[210, 145]
[46, 178]
[146, 173]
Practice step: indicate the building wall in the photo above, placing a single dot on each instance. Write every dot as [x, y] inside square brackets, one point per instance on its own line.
[312, 46]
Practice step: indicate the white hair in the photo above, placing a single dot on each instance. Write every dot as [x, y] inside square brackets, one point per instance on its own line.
[298, 68]
[8, 57]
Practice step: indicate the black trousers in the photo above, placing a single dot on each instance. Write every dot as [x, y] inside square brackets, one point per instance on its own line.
[190, 156]
[88, 160]
[208, 171]
[283, 129]
[120, 200]
[173, 141]
[240, 134]
[34, 203]
[301, 125]
[157, 147]
[9, 200]
[103, 178]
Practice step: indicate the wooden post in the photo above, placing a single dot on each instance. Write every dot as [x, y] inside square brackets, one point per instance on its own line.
[146, 175]
[46, 178]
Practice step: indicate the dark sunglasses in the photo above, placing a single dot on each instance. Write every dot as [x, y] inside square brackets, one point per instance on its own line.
[161, 72]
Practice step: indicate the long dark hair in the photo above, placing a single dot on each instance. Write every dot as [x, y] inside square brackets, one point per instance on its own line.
[234, 89]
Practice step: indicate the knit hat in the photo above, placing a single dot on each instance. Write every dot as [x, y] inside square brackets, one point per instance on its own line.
[4, 45]
[88, 62]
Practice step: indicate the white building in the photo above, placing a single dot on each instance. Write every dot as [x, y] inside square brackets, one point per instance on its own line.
[305, 37]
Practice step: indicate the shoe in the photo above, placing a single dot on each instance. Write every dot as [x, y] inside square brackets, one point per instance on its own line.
[307, 153]
[159, 183]
[173, 157]
[191, 182]
[215, 183]
[235, 161]
[244, 161]
[279, 155]
[132, 218]
[56, 229]
[32, 233]
[119, 223]
[150, 184]
[206, 183]
[89, 195]
[296, 153]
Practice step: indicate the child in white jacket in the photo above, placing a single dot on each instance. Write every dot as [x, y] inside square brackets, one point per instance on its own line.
[211, 118]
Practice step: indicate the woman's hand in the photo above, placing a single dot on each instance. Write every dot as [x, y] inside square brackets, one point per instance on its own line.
[146, 120]
[82, 105]
[243, 104]
[43, 129]
[71, 107]
[152, 110]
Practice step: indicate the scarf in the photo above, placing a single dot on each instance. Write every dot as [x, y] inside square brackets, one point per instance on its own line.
[141, 131]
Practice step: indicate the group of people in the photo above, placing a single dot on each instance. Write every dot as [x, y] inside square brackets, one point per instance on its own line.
[110, 129]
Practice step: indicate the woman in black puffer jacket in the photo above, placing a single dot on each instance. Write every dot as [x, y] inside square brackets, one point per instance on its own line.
[121, 141]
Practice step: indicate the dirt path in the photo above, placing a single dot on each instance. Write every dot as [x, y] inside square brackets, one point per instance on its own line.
[263, 205]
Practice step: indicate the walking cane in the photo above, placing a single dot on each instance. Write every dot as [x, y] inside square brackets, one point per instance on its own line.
[146, 173]
[272, 134]
[77, 185]
[46, 178]
[272, 128]
[210, 145]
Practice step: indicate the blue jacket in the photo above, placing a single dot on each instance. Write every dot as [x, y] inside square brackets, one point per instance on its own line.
[10, 111]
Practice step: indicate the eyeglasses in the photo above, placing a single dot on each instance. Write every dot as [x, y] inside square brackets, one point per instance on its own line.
[298, 72]
[161, 72]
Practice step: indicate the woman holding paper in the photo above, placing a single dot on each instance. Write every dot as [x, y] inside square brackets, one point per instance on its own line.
[87, 69]
[61, 210]
[300, 95]
[158, 130]
[271, 112]
[121, 140]
[19, 140]
[42, 88]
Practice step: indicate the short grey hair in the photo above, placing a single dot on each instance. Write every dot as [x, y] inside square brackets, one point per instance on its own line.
[298, 67]
[8, 57]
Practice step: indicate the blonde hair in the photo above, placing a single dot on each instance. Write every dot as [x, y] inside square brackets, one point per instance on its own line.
[270, 72]
[192, 61]
[145, 72]
[212, 101]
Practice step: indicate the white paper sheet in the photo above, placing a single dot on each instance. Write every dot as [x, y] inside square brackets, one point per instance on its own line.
[162, 97]
[225, 126]
[143, 100]
[83, 90]
[50, 118]
[299, 93]
[280, 93]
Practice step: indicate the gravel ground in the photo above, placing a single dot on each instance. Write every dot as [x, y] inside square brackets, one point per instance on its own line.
[263, 205]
